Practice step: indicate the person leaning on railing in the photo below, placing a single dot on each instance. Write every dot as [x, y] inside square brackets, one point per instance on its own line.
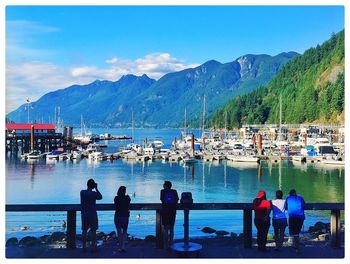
[279, 219]
[295, 205]
[262, 209]
[169, 198]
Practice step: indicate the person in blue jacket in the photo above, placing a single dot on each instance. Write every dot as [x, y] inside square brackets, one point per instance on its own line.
[295, 206]
[169, 198]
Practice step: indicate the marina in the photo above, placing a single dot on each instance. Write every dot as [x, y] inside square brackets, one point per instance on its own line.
[211, 178]
[249, 144]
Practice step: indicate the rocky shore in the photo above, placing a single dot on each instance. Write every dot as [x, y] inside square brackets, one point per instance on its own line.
[54, 245]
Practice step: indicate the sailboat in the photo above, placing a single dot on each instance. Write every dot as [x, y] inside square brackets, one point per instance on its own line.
[84, 137]
[185, 142]
[282, 145]
[187, 159]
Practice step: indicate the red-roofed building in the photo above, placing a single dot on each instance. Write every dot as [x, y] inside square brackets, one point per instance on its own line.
[25, 128]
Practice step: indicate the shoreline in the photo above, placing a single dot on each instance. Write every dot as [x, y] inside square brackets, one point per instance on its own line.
[223, 245]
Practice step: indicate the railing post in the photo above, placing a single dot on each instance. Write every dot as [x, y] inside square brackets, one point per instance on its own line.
[71, 229]
[247, 228]
[159, 237]
[335, 228]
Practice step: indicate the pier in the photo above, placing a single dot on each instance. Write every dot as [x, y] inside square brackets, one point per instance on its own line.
[28, 137]
[246, 208]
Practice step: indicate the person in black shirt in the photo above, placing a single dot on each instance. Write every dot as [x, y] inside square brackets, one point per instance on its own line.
[89, 218]
[121, 216]
[169, 198]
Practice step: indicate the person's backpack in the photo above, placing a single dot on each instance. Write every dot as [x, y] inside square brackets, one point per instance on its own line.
[169, 197]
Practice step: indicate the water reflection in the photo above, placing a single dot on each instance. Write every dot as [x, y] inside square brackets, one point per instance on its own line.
[203, 177]
[260, 173]
[32, 173]
[280, 176]
[221, 177]
[300, 165]
[242, 165]
[225, 175]
[221, 182]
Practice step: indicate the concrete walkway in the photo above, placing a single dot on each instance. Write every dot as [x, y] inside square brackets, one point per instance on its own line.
[224, 247]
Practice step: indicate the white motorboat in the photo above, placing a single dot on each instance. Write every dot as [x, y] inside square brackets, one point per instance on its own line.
[208, 157]
[83, 139]
[189, 159]
[148, 150]
[93, 147]
[143, 158]
[242, 158]
[299, 158]
[132, 155]
[158, 144]
[333, 160]
[77, 154]
[219, 156]
[54, 154]
[36, 154]
[98, 156]
[174, 157]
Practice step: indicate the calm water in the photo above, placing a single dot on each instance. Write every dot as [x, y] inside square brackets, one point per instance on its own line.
[60, 182]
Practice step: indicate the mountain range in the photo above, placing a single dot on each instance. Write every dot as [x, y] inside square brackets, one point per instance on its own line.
[157, 103]
[310, 88]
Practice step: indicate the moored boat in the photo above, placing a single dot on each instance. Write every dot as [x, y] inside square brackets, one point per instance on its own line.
[299, 158]
[77, 154]
[188, 160]
[36, 154]
[242, 158]
[334, 162]
[54, 154]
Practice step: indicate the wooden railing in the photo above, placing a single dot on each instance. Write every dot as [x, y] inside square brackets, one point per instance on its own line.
[247, 208]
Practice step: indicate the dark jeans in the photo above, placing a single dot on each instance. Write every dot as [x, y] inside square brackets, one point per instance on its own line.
[263, 228]
[279, 226]
[295, 225]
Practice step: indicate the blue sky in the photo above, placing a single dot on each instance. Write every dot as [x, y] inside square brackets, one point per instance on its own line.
[49, 48]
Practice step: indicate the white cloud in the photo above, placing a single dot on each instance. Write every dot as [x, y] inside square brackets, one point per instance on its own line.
[84, 71]
[155, 65]
[29, 75]
[112, 60]
[158, 64]
[33, 79]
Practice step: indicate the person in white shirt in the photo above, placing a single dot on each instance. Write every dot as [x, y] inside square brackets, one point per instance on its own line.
[279, 219]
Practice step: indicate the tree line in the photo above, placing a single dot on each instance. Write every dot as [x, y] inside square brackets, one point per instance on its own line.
[311, 88]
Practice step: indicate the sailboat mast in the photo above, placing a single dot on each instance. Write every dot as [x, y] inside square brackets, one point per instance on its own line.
[132, 125]
[280, 132]
[81, 125]
[203, 124]
[58, 118]
[225, 123]
[185, 125]
[54, 117]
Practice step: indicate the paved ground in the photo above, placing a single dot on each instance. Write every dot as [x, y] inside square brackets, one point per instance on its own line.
[225, 247]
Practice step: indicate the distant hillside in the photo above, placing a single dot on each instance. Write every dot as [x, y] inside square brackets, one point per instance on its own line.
[311, 87]
[157, 103]
[96, 102]
[165, 102]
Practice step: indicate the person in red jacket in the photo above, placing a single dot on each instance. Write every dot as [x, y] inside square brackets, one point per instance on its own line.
[262, 209]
